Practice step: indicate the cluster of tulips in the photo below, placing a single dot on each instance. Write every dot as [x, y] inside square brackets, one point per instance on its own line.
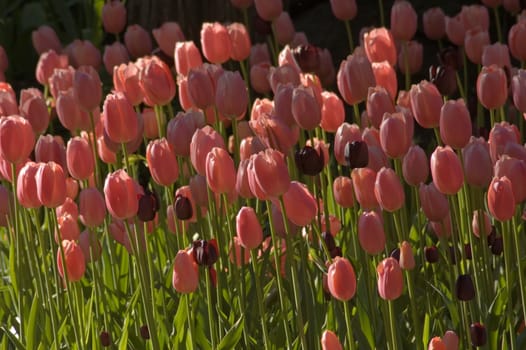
[206, 207]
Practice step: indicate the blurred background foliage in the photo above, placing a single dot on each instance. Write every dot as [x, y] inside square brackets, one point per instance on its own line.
[74, 19]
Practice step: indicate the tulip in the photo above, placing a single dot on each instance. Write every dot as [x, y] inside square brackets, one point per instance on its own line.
[436, 343]
[455, 30]
[283, 74]
[455, 124]
[434, 22]
[120, 194]
[75, 263]
[283, 28]
[411, 55]
[403, 20]
[501, 136]
[68, 207]
[126, 80]
[332, 112]
[395, 135]
[345, 134]
[371, 234]
[162, 162]
[474, 16]
[344, 10]
[185, 277]
[388, 190]
[415, 166]
[114, 55]
[478, 166]
[474, 42]
[450, 340]
[61, 80]
[83, 53]
[90, 246]
[240, 40]
[231, 98]
[220, 171]
[44, 39]
[79, 156]
[434, 203]
[114, 16]
[341, 279]
[91, 207]
[343, 191]
[390, 279]
[51, 184]
[248, 228]
[201, 88]
[385, 76]
[70, 114]
[16, 138]
[379, 101]
[518, 88]
[26, 186]
[515, 43]
[363, 180]
[137, 41]
[426, 103]
[268, 174]
[501, 199]
[87, 87]
[464, 288]
[268, 10]
[515, 170]
[496, 54]
[215, 42]
[274, 133]
[68, 228]
[180, 130]
[120, 120]
[156, 82]
[187, 56]
[481, 224]
[355, 76]
[300, 204]
[407, 258]
[203, 140]
[492, 87]
[167, 35]
[47, 63]
[258, 78]
[305, 109]
[380, 46]
[34, 109]
[446, 170]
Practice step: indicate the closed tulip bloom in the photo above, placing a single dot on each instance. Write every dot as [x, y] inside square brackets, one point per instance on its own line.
[283, 28]
[436, 343]
[268, 174]
[203, 140]
[157, 83]
[371, 234]
[518, 88]
[379, 102]
[162, 162]
[300, 204]
[137, 41]
[475, 16]
[388, 190]
[238, 254]
[79, 156]
[75, 263]
[412, 53]
[426, 103]
[434, 21]
[248, 228]
[395, 135]
[329, 340]
[220, 171]
[474, 42]
[332, 111]
[500, 137]
[114, 55]
[455, 124]
[515, 170]
[215, 42]
[478, 166]
[415, 166]
[258, 78]
[167, 35]
[51, 148]
[481, 224]
[126, 80]
[515, 40]
[434, 203]
[390, 279]
[341, 279]
[501, 200]
[363, 180]
[8, 104]
[403, 20]
[26, 186]
[497, 54]
[275, 133]
[185, 278]
[114, 16]
[61, 80]
[354, 78]
[51, 184]
[92, 209]
[407, 258]
[34, 109]
[305, 108]
[44, 39]
[70, 113]
[450, 340]
[187, 56]
[16, 138]
[268, 10]
[380, 46]
[446, 170]
[385, 76]
[344, 10]
[231, 98]
[343, 191]
[47, 62]
[346, 133]
[492, 87]
[180, 130]
[240, 40]
[120, 194]
[87, 87]
[68, 228]
[120, 120]
[84, 53]
[455, 30]
[201, 88]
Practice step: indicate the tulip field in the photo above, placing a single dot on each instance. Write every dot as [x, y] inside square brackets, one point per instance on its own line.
[249, 189]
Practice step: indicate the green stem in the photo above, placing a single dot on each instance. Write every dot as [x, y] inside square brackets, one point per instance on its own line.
[517, 244]
[381, 10]
[349, 35]
[497, 23]
[350, 335]
[392, 325]
[259, 294]
[211, 314]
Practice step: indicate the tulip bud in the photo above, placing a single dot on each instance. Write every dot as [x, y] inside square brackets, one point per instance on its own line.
[363, 180]
[403, 20]
[167, 36]
[329, 340]
[248, 228]
[464, 288]
[431, 254]
[300, 204]
[44, 39]
[268, 10]
[16, 138]
[356, 154]
[75, 263]
[137, 41]
[215, 42]
[455, 123]
[388, 190]
[415, 166]
[162, 162]
[341, 279]
[434, 21]
[446, 170]
[407, 259]
[434, 203]
[380, 46]
[343, 191]
[51, 184]
[501, 200]
[120, 120]
[231, 98]
[390, 279]
[426, 103]
[309, 161]
[478, 334]
[92, 208]
[79, 157]
[185, 273]
[268, 174]
[332, 111]
[114, 16]
[355, 76]
[436, 343]
[371, 234]
[120, 194]
[492, 87]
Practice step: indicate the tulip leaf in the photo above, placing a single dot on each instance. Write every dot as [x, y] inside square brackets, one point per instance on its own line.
[13, 338]
[495, 312]
[232, 337]
[180, 319]
[31, 323]
[365, 324]
[425, 330]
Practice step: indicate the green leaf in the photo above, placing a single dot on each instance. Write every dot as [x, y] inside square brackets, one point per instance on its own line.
[14, 339]
[232, 337]
[425, 331]
[31, 323]
[365, 324]
[180, 319]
